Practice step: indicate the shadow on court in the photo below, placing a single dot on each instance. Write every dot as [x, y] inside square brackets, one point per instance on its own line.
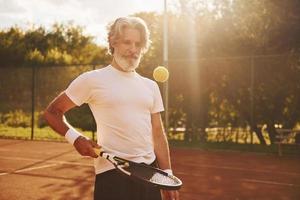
[54, 170]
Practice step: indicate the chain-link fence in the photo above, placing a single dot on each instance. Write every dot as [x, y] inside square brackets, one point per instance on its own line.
[236, 99]
[26, 92]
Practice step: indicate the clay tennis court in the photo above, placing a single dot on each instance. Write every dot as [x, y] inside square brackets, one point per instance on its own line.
[53, 170]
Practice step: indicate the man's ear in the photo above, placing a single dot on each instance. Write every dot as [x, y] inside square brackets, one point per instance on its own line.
[114, 44]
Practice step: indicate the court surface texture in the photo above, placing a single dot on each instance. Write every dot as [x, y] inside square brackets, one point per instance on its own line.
[40, 170]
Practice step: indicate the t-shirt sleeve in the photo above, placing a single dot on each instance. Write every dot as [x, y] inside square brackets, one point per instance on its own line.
[79, 90]
[158, 105]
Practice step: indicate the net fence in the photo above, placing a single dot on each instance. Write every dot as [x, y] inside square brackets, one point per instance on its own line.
[237, 99]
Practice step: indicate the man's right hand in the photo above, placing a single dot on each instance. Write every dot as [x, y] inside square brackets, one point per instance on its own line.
[85, 147]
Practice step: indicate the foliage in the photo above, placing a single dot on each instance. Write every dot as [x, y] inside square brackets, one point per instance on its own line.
[215, 62]
[82, 118]
[45, 133]
[79, 117]
[19, 118]
[56, 57]
[64, 44]
[213, 56]
[16, 118]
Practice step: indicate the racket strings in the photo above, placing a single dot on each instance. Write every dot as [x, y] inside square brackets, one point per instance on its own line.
[144, 173]
[163, 179]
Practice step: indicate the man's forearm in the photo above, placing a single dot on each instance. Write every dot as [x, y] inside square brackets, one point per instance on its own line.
[56, 121]
[54, 115]
[161, 149]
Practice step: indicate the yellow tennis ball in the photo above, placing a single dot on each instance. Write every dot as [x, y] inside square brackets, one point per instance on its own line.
[161, 74]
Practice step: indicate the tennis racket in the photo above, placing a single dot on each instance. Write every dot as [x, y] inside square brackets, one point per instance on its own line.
[142, 172]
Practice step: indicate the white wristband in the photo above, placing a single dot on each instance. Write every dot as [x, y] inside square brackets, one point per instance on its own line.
[169, 171]
[71, 135]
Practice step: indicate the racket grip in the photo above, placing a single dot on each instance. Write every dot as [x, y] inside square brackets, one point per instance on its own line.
[101, 153]
[98, 151]
[106, 155]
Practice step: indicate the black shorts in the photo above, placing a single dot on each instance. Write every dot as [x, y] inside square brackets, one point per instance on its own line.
[112, 185]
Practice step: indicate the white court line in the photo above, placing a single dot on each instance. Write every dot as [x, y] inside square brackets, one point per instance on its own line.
[28, 151]
[192, 165]
[47, 161]
[52, 164]
[243, 169]
[270, 182]
[33, 168]
[27, 169]
[247, 180]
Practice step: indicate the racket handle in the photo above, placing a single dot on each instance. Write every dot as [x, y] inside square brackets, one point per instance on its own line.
[101, 153]
[106, 155]
[97, 151]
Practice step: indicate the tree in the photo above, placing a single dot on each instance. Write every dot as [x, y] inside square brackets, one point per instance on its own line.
[65, 44]
[231, 29]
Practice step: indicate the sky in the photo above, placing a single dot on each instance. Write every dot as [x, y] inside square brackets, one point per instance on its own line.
[93, 15]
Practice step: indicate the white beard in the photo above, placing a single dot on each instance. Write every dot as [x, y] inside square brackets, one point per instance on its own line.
[125, 64]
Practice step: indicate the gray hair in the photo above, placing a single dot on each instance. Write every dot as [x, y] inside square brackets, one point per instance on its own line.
[115, 31]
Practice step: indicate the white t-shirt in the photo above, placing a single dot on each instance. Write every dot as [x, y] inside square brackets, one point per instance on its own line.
[122, 104]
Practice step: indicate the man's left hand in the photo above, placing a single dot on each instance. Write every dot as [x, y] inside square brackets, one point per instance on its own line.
[170, 194]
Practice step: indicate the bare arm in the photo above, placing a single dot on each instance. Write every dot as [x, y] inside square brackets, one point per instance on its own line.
[54, 115]
[162, 152]
[161, 146]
